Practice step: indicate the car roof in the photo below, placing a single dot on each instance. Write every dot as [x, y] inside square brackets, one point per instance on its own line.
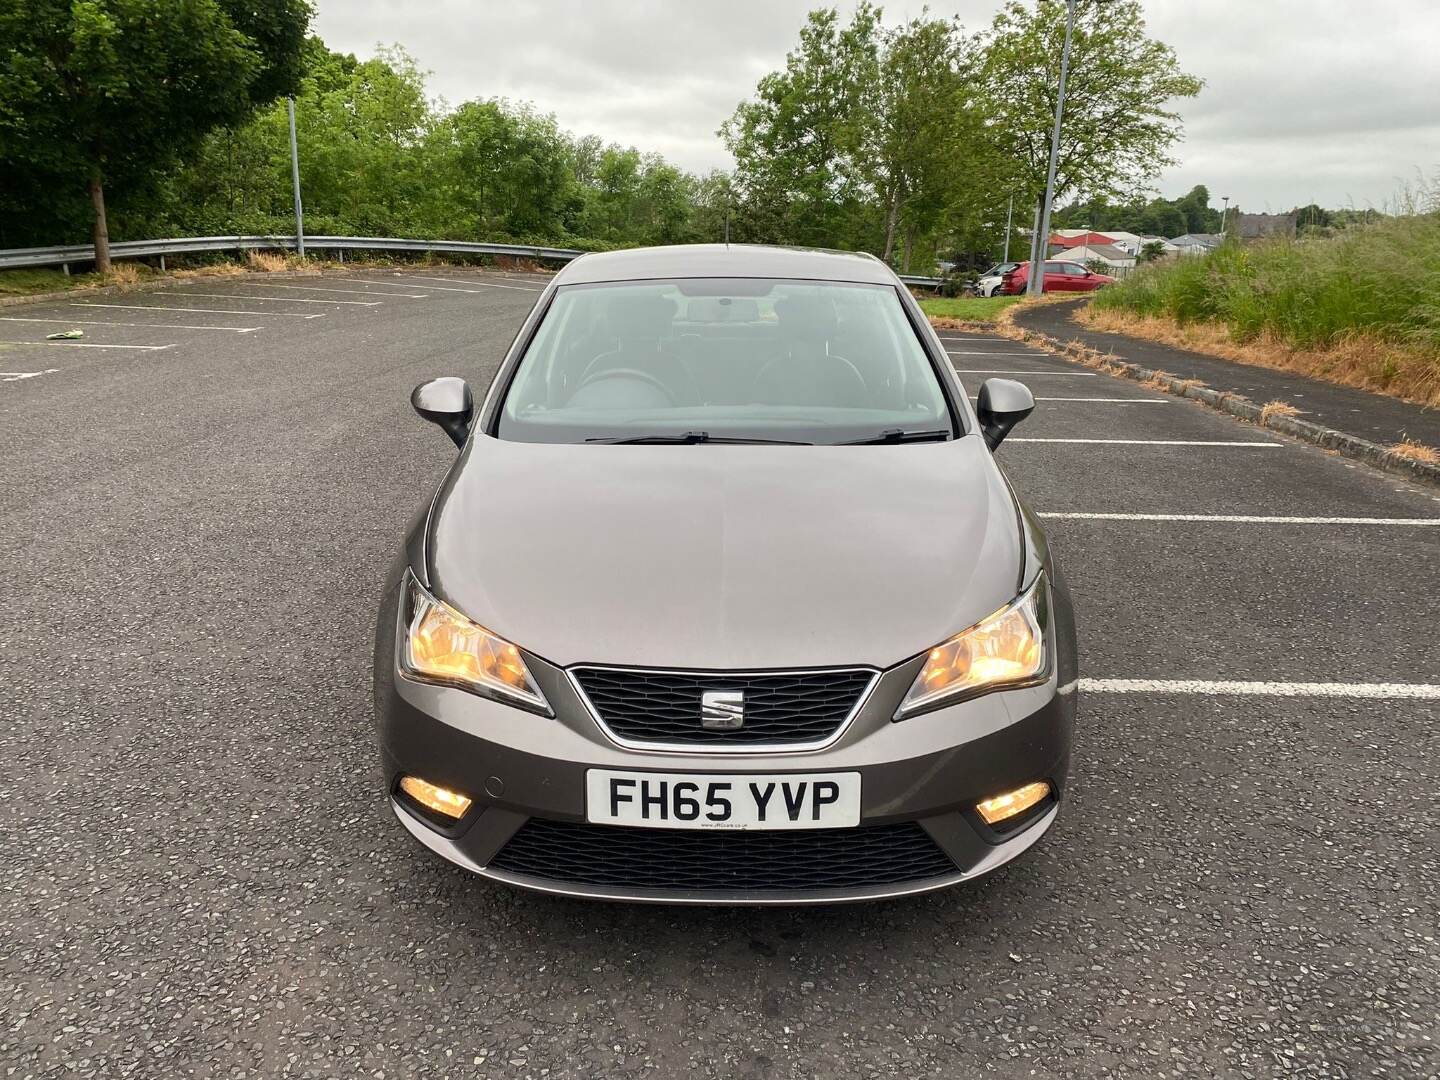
[725, 260]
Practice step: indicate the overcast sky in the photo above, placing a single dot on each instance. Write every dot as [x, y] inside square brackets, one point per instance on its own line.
[1328, 101]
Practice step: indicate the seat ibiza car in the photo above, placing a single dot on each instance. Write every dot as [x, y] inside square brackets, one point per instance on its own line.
[724, 598]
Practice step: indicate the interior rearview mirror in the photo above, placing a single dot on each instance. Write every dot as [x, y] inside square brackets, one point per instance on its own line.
[1002, 404]
[447, 403]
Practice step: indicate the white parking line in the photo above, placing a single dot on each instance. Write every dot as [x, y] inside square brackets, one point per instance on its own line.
[200, 310]
[278, 299]
[1241, 519]
[1111, 400]
[430, 288]
[1011, 371]
[347, 292]
[1222, 687]
[487, 284]
[87, 345]
[994, 352]
[16, 376]
[1150, 442]
[155, 325]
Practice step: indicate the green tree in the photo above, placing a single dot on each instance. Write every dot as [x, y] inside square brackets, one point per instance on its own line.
[797, 141]
[1312, 217]
[920, 131]
[1118, 123]
[870, 137]
[511, 169]
[98, 92]
[1200, 216]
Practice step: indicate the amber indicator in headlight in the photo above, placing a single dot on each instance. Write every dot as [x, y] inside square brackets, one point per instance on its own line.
[1003, 649]
[441, 645]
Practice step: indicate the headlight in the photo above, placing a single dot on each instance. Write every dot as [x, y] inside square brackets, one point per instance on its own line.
[443, 646]
[1006, 649]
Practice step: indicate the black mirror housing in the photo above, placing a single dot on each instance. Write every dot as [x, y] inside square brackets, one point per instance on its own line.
[446, 403]
[1002, 404]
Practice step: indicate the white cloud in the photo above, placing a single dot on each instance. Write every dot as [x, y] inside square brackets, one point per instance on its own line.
[1305, 100]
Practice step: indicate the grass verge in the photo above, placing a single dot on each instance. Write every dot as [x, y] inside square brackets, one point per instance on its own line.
[1358, 308]
[968, 309]
[34, 282]
[1363, 361]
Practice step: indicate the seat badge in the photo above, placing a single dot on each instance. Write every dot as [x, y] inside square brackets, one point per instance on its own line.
[722, 710]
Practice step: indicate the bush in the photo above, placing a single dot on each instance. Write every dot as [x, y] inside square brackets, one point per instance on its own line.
[1380, 280]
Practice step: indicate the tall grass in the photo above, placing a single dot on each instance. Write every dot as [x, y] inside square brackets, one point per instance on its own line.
[1371, 292]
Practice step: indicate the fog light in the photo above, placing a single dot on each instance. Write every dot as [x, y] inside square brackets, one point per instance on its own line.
[1001, 807]
[433, 797]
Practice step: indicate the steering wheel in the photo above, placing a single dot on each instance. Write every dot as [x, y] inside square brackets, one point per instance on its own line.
[627, 373]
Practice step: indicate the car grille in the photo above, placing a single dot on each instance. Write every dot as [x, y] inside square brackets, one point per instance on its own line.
[633, 857]
[780, 708]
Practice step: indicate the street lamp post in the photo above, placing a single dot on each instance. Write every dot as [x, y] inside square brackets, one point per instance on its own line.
[1036, 285]
[1224, 214]
[1009, 216]
[295, 180]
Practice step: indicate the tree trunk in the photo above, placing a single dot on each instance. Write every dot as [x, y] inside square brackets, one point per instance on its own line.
[892, 215]
[102, 229]
[907, 248]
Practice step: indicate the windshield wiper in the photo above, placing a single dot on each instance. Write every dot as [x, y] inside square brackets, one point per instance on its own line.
[898, 435]
[694, 437]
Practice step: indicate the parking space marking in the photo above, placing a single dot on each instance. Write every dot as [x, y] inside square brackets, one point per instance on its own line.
[347, 292]
[86, 345]
[1223, 687]
[432, 288]
[1150, 442]
[1110, 400]
[1240, 519]
[157, 326]
[1011, 371]
[278, 299]
[487, 284]
[1107, 400]
[994, 352]
[200, 310]
[16, 376]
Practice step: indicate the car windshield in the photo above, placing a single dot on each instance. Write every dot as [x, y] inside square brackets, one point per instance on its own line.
[709, 360]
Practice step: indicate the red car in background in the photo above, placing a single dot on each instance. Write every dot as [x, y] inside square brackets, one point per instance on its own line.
[1059, 277]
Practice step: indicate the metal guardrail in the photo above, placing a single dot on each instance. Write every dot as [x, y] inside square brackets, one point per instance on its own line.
[63, 255]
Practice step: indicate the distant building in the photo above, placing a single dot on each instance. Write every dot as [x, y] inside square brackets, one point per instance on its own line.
[1166, 247]
[1264, 226]
[1062, 240]
[1196, 243]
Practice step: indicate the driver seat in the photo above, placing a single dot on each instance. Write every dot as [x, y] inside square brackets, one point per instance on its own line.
[643, 325]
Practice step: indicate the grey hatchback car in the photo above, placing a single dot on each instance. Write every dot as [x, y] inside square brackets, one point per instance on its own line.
[724, 599]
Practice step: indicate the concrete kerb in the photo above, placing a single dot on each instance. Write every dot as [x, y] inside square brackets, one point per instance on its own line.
[1233, 404]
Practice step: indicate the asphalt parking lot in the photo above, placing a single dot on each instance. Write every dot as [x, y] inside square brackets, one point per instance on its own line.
[202, 878]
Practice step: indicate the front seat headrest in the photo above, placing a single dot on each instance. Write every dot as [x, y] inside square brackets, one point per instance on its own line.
[806, 318]
[638, 315]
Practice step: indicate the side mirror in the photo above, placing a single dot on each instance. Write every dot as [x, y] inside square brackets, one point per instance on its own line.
[1002, 404]
[447, 403]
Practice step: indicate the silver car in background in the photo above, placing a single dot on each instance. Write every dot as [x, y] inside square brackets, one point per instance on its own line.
[725, 599]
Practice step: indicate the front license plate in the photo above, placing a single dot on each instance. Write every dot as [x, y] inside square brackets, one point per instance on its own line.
[723, 800]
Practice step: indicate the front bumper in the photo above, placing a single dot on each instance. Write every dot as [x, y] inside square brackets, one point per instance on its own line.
[516, 766]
